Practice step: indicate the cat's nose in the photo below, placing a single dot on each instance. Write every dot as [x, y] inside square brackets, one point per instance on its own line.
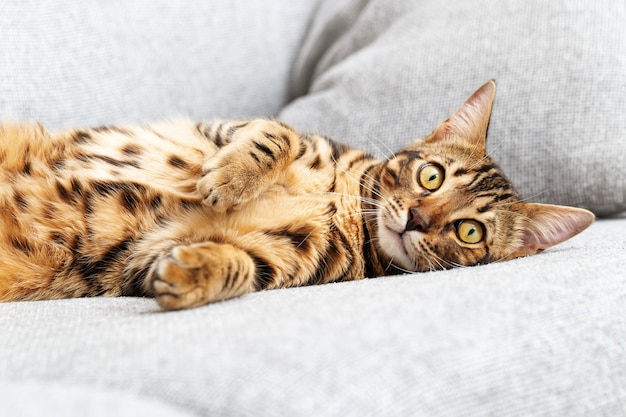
[416, 221]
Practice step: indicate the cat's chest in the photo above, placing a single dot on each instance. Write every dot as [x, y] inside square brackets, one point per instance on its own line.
[318, 202]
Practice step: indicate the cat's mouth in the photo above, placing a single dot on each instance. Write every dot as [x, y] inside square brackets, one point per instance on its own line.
[395, 245]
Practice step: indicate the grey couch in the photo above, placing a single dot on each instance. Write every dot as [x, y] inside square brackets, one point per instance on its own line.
[538, 336]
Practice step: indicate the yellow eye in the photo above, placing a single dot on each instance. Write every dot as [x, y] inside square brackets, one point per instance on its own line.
[431, 177]
[470, 231]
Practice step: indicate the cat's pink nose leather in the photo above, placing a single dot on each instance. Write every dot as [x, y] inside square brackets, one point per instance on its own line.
[416, 221]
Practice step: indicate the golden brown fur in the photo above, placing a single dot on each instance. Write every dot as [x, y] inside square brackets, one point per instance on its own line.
[192, 213]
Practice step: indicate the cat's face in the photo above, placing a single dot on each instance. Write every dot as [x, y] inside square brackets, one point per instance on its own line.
[444, 203]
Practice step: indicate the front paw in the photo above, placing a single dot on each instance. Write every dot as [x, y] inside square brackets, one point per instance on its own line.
[253, 161]
[228, 185]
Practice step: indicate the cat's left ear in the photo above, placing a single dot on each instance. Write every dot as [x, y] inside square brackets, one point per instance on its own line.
[469, 124]
[547, 225]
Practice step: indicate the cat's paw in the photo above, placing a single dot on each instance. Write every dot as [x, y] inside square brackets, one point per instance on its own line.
[228, 183]
[254, 160]
[183, 278]
[196, 275]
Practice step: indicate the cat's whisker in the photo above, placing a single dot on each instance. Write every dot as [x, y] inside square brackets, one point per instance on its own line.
[520, 200]
[390, 153]
[389, 265]
[454, 264]
[534, 196]
[499, 260]
[358, 180]
[496, 147]
[431, 265]
[447, 262]
[442, 263]
[374, 191]
[437, 261]
[377, 193]
[367, 200]
[399, 268]
[379, 152]
[472, 156]
[351, 215]
[477, 163]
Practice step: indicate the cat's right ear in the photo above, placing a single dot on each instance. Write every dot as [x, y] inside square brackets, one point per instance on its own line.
[546, 225]
[470, 122]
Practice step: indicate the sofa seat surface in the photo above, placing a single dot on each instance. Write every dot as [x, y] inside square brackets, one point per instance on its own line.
[538, 336]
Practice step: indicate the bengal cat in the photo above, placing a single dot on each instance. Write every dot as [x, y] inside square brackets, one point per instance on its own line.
[191, 213]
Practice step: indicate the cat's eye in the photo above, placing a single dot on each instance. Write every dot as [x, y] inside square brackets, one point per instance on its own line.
[430, 177]
[470, 231]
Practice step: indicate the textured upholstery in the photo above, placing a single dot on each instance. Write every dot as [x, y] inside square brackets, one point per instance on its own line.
[67, 63]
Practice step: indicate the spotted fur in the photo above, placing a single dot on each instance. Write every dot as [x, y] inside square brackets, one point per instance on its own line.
[192, 213]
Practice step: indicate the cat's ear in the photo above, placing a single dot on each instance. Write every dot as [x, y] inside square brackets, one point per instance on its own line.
[546, 225]
[469, 123]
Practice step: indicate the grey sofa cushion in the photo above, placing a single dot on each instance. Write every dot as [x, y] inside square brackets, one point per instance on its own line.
[378, 74]
[66, 63]
[538, 336]
[20, 398]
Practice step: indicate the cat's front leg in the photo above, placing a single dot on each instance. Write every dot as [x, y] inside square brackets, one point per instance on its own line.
[255, 157]
[194, 275]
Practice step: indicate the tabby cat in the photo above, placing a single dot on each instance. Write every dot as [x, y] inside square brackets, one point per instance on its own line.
[191, 213]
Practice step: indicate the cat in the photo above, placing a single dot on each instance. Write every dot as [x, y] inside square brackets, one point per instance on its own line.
[192, 213]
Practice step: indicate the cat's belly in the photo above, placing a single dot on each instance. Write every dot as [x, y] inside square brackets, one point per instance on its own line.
[273, 211]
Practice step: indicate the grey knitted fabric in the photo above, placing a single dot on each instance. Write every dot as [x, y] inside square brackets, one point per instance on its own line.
[65, 63]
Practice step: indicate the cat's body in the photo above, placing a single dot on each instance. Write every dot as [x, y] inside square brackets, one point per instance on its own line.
[192, 213]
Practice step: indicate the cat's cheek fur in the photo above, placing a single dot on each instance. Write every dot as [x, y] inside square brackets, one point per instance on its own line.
[392, 245]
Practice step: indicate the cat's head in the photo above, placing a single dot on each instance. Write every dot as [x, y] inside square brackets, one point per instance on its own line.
[445, 203]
